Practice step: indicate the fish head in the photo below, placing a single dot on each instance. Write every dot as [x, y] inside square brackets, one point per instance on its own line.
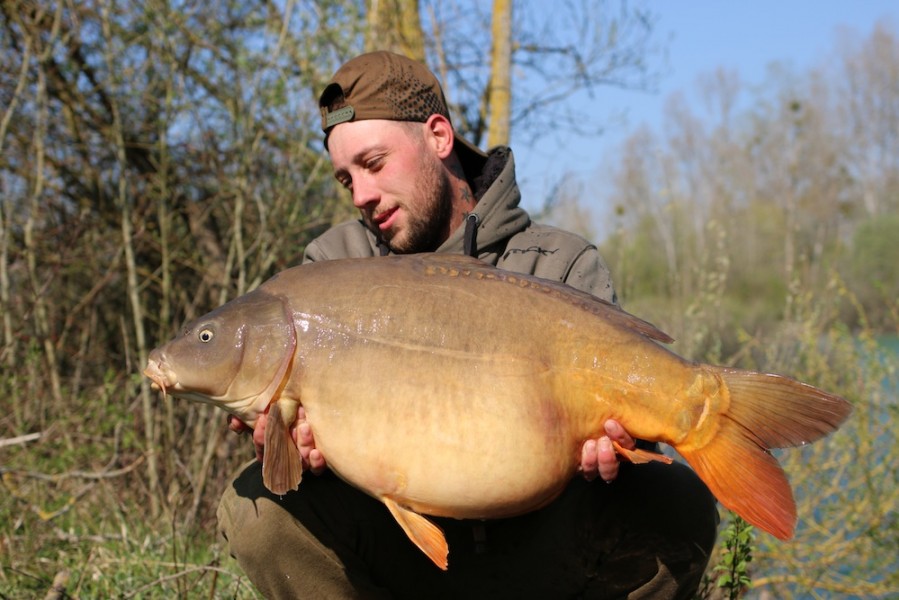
[234, 357]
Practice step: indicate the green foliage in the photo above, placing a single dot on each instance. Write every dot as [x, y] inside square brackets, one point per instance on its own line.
[873, 266]
[733, 569]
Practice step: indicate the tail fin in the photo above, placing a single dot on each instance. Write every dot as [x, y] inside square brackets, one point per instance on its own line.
[766, 411]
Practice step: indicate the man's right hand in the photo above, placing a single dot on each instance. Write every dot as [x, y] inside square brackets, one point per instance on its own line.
[301, 432]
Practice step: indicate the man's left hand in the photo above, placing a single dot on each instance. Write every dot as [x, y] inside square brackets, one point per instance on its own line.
[598, 457]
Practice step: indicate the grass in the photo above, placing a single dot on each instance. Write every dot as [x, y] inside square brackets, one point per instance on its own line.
[74, 515]
[99, 543]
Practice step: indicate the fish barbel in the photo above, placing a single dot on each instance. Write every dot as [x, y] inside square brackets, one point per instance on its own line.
[444, 386]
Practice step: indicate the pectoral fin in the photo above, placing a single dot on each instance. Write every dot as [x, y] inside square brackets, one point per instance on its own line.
[424, 534]
[282, 469]
[638, 456]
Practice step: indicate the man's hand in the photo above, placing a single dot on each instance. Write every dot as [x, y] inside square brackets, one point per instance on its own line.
[302, 435]
[300, 431]
[598, 456]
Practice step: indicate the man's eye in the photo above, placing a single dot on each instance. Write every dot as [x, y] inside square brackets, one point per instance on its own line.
[375, 164]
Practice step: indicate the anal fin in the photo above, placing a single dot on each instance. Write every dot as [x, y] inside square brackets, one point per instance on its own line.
[423, 533]
[640, 457]
[282, 468]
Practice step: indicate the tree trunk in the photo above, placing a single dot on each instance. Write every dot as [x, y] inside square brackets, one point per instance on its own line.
[499, 99]
[395, 25]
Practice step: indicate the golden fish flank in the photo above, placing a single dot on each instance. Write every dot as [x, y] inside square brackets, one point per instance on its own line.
[441, 364]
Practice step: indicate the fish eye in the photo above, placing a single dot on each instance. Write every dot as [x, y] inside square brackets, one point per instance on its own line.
[206, 335]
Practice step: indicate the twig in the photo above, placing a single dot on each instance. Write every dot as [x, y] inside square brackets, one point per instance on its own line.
[58, 589]
[44, 515]
[21, 439]
[96, 539]
[106, 474]
[183, 573]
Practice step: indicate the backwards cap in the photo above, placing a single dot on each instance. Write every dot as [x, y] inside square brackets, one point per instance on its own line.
[384, 85]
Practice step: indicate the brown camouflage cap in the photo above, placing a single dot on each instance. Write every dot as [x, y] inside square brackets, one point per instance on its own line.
[384, 85]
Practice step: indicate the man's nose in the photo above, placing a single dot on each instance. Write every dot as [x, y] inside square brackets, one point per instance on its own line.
[364, 192]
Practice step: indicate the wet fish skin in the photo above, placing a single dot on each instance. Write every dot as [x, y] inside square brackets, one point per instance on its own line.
[444, 386]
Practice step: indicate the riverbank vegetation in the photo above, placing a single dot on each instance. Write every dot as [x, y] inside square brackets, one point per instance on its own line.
[156, 162]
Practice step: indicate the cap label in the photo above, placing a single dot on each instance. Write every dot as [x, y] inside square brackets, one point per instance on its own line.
[340, 115]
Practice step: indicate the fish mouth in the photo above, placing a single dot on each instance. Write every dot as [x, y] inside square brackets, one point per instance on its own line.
[161, 376]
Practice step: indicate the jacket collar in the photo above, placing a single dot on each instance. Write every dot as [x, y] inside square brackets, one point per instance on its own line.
[497, 215]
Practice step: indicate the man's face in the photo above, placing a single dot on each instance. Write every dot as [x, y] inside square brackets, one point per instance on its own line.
[398, 182]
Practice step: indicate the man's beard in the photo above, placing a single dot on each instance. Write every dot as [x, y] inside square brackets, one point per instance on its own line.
[427, 226]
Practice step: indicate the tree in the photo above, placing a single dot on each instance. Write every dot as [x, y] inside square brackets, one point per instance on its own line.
[395, 25]
[151, 174]
[558, 53]
[868, 115]
[499, 89]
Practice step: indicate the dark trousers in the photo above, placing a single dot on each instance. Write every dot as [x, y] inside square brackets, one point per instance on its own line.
[648, 534]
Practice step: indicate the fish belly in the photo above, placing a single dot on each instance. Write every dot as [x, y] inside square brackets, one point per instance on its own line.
[463, 436]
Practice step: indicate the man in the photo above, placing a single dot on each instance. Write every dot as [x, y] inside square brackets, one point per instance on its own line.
[421, 188]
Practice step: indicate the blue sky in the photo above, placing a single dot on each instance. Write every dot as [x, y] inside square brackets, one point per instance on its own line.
[742, 36]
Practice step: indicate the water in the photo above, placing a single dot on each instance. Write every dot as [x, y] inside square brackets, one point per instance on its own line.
[847, 492]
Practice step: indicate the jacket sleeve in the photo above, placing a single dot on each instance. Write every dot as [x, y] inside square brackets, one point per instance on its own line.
[589, 273]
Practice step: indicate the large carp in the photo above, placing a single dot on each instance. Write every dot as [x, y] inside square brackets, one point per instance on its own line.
[444, 386]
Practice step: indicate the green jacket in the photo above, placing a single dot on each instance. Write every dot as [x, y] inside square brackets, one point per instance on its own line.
[498, 232]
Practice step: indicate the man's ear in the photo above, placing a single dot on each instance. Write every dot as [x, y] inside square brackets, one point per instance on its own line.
[440, 134]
